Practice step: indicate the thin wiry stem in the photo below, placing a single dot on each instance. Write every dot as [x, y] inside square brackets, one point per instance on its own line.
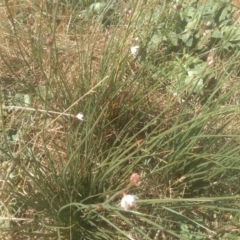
[37, 110]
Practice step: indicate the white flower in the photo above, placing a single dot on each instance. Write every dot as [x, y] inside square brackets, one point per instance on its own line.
[134, 50]
[80, 116]
[128, 201]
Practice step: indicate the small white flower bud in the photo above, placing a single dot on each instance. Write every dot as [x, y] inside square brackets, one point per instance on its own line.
[128, 201]
[80, 116]
[134, 50]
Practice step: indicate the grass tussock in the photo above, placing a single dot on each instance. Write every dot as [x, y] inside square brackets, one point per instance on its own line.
[157, 85]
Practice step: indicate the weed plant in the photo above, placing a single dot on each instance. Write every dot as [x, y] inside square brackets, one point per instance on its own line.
[95, 92]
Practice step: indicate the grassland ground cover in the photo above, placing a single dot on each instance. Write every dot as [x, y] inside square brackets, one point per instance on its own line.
[119, 119]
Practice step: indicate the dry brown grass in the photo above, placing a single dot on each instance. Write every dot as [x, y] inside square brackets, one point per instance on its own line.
[236, 3]
[236, 14]
[32, 55]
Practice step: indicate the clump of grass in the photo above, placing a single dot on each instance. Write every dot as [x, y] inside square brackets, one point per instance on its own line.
[63, 177]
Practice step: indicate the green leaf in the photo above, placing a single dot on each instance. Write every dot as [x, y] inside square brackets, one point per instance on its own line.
[192, 25]
[193, 81]
[226, 14]
[44, 93]
[187, 38]
[234, 33]
[173, 37]
[216, 33]
[97, 7]
[156, 39]
[27, 100]
[190, 14]
[229, 46]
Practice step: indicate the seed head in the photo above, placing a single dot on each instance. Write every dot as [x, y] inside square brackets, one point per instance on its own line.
[128, 201]
[80, 116]
[135, 179]
[99, 207]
